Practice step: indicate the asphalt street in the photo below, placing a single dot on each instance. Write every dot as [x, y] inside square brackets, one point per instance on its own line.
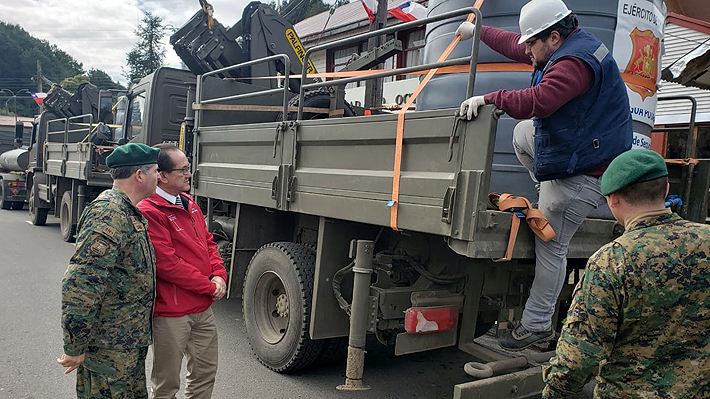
[32, 262]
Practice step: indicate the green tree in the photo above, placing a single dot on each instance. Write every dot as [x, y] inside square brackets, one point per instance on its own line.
[71, 84]
[18, 65]
[295, 11]
[148, 54]
[101, 80]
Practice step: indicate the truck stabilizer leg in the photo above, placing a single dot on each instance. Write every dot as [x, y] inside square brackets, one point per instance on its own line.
[359, 318]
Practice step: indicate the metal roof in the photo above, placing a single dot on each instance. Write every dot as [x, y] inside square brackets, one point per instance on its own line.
[347, 16]
[9, 120]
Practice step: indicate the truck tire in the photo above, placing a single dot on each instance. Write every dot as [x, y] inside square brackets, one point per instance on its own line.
[65, 220]
[334, 350]
[277, 294]
[17, 205]
[317, 99]
[38, 216]
[4, 204]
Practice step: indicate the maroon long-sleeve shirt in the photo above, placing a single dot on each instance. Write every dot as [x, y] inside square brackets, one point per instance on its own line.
[566, 79]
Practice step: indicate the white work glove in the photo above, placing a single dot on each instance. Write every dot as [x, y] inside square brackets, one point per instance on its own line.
[470, 107]
[465, 30]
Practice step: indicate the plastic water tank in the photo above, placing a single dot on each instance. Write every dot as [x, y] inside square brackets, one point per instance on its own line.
[600, 18]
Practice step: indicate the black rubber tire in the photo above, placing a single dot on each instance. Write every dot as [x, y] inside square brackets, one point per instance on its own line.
[17, 205]
[317, 99]
[66, 226]
[334, 350]
[38, 216]
[292, 266]
[3, 204]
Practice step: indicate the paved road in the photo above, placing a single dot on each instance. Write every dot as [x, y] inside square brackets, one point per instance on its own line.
[32, 263]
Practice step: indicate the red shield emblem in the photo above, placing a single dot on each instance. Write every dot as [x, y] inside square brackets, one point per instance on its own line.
[644, 60]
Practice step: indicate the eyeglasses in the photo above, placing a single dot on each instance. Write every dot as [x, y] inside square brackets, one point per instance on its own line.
[531, 42]
[185, 171]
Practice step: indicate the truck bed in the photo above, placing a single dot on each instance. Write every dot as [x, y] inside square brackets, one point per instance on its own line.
[342, 168]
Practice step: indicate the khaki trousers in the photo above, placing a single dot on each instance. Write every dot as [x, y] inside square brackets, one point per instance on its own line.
[193, 336]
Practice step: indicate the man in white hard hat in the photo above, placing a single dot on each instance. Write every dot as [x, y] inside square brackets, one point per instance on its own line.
[577, 120]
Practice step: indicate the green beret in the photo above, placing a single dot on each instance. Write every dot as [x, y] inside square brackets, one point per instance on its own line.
[132, 154]
[633, 166]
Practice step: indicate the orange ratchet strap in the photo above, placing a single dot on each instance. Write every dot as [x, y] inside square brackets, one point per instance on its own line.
[490, 67]
[393, 204]
[520, 207]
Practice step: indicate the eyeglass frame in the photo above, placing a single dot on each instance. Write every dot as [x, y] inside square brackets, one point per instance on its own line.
[529, 43]
[185, 171]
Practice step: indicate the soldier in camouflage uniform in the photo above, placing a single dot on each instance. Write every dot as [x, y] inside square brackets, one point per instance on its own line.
[109, 288]
[641, 313]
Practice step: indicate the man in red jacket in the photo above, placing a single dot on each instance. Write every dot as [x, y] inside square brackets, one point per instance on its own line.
[190, 275]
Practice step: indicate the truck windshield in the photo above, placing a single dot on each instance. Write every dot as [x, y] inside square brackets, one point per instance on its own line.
[136, 113]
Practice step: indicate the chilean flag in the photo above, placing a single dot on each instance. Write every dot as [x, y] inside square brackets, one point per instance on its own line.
[370, 8]
[407, 12]
[39, 97]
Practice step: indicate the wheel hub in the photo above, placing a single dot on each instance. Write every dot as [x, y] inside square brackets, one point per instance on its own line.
[282, 305]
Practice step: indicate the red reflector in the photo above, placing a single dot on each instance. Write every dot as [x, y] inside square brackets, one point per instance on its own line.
[17, 184]
[431, 319]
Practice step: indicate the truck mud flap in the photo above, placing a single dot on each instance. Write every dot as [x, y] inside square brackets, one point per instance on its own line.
[521, 384]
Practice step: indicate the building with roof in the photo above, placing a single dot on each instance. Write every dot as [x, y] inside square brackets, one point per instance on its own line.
[349, 20]
[686, 60]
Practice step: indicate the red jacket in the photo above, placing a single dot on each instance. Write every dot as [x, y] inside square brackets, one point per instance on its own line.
[185, 257]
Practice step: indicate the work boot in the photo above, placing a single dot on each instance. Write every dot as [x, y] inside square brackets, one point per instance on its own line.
[520, 338]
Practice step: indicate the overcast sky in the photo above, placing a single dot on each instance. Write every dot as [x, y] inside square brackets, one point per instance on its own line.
[99, 33]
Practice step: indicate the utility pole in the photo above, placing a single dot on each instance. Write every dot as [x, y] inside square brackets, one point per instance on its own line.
[373, 87]
[39, 84]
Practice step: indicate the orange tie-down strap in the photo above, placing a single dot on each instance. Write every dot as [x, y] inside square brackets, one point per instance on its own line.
[520, 207]
[490, 67]
[393, 204]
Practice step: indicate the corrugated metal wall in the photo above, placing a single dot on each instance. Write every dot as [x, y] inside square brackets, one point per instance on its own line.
[679, 41]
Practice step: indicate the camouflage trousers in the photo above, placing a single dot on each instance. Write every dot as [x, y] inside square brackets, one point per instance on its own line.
[112, 374]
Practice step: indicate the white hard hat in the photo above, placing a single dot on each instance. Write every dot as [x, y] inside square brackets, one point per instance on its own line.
[538, 15]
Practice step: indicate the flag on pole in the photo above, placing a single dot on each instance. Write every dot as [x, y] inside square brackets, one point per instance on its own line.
[370, 8]
[407, 12]
[39, 97]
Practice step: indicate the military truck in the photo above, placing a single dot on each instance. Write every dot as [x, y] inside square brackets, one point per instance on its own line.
[13, 163]
[301, 201]
[71, 140]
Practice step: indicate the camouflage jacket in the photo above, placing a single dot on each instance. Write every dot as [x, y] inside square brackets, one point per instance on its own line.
[641, 314]
[109, 288]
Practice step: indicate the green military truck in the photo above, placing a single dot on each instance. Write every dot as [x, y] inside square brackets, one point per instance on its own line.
[302, 205]
[299, 194]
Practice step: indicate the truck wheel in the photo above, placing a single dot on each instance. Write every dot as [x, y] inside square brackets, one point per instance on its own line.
[278, 290]
[315, 99]
[65, 221]
[17, 205]
[4, 204]
[38, 216]
[334, 350]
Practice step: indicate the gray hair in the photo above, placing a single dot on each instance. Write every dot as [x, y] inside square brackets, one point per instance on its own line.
[124, 172]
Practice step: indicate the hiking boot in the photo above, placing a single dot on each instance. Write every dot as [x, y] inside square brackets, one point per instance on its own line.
[520, 338]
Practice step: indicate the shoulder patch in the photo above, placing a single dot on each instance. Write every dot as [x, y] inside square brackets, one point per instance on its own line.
[98, 247]
[137, 224]
[109, 231]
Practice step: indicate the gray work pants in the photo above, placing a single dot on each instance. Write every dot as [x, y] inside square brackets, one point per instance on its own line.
[565, 203]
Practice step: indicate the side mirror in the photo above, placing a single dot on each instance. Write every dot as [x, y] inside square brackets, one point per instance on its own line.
[19, 131]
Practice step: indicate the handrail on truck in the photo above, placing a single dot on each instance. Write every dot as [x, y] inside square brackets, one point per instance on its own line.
[473, 59]
[287, 67]
[66, 122]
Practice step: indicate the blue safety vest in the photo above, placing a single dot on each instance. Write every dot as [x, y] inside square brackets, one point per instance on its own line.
[590, 130]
